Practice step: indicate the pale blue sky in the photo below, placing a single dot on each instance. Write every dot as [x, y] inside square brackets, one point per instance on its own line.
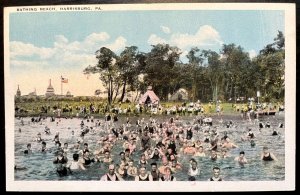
[250, 29]
[57, 41]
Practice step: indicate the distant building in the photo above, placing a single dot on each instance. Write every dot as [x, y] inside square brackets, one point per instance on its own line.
[18, 92]
[69, 94]
[50, 90]
[180, 95]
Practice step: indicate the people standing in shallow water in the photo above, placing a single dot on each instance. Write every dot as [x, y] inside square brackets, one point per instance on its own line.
[158, 139]
[216, 175]
[266, 155]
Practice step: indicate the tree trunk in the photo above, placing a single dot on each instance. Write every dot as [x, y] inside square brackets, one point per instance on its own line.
[231, 87]
[137, 94]
[109, 92]
[117, 92]
[123, 91]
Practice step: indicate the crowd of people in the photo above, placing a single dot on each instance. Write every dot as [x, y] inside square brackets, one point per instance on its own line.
[160, 146]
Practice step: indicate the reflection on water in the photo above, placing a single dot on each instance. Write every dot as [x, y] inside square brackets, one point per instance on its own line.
[39, 166]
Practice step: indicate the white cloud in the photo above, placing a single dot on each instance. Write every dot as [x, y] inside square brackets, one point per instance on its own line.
[165, 29]
[205, 36]
[97, 37]
[252, 53]
[154, 39]
[20, 49]
[61, 39]
[94, 40]
[117, 45]
[64, 53]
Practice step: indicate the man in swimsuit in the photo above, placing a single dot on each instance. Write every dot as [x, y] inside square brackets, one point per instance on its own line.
[131, 170]
[154, 172]
[168, 175]
[216, 175]
[194, 170]
[111, 175]
[267, 156]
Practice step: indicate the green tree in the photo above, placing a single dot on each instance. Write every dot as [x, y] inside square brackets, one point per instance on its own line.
[214, 71]
[271, 66]
[106, 69]
[127, 64]
[161, 68]
[195, 58]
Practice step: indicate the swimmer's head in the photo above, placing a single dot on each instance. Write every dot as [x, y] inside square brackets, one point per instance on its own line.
[111, 169]
[168, 171]
[216, 171]
[265, 149]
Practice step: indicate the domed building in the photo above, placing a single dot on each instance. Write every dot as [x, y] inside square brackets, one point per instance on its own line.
[69, 94]
[50, 90]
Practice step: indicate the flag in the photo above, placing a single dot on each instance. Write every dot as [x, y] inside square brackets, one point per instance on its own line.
[64, 80]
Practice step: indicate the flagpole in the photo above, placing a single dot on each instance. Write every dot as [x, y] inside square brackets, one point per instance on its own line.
[61, 85]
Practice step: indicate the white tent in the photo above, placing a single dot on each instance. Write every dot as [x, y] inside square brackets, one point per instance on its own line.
[180, 95]
[149, 97]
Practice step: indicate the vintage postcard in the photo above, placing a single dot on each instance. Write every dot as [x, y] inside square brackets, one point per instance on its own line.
[100, 97]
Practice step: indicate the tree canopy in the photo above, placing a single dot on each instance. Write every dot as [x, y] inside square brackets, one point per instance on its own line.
[207, 75]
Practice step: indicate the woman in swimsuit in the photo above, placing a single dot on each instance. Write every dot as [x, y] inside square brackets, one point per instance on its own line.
[122, 171]
[267, 156]
[143, 176]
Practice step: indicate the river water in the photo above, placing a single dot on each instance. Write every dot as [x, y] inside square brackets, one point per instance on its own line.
[39, 166]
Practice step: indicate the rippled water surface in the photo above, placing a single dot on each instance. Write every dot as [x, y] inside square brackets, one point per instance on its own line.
[39, 166]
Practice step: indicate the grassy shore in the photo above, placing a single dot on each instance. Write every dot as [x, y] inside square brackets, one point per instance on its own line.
[36, 108]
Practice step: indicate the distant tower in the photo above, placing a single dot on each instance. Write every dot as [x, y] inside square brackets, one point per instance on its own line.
[50, 90]
[18, 92]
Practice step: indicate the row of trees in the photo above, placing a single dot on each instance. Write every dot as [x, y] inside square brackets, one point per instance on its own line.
[208, 75]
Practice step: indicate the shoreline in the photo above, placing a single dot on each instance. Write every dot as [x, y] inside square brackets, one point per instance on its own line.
[122, 115]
